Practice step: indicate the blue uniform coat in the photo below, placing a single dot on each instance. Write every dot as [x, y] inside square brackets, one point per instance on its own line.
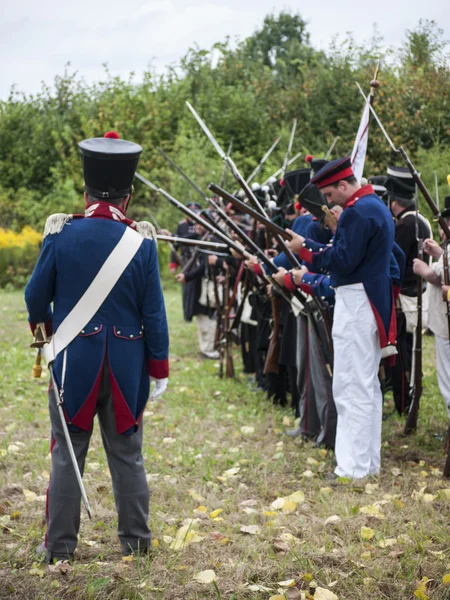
[129, 330]
[361, 253]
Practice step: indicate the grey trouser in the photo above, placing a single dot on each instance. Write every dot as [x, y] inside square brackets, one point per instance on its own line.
[317, 410]
[129, 482]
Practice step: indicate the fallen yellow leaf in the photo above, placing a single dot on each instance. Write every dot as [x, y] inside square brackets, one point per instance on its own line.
[289, 507]
[446, 579]
[298, 497]
[215, 513]
[372, 510]
[207, 576]
[286, 583]
[367, 533]
[324, 594]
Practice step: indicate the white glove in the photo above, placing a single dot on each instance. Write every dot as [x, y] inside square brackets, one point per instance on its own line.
[160, 387]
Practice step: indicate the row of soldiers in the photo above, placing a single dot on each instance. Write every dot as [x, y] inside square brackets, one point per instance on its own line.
[320, 329]
[288, 344]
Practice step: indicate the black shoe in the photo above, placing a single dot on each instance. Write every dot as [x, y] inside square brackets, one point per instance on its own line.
[48, 557]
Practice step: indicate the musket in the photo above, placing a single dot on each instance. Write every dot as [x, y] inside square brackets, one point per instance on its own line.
[229, 367]
[254, 247]
[224, 169]
[281, 235]
[194, 217]
[40, 340]
[248, 192]
[191, 242]
[415, 175]
[417, 386]
[262, 161]
[202, 195]
[245, 208]
[291, 141]
[331, 148]
[296, 157]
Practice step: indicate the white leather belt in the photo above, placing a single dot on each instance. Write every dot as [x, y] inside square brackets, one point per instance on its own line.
[97, 292]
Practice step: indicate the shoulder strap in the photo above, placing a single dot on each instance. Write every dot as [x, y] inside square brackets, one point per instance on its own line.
[97, 292]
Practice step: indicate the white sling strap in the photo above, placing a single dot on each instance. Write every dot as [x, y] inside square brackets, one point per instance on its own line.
[96, 294]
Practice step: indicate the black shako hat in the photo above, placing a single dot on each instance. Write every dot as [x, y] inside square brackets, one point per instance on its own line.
[295, 181]
[109, 165]
[400, 183]
[446, 212]
[315, 163]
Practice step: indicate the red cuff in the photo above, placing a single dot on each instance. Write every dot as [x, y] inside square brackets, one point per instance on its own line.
[48, 328]
[257, 270]
[396, 291]
[305, 254]
[307, 289]
[159, 369]
[289, 283]
[173, 265]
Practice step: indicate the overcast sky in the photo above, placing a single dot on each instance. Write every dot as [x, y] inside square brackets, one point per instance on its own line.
[37, 39]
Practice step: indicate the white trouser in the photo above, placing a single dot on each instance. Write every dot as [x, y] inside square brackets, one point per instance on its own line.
[443, 369]
[206, 330]
[356, 387]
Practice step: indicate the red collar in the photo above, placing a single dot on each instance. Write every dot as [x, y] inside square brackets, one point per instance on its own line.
[104, 210]
[365, 190]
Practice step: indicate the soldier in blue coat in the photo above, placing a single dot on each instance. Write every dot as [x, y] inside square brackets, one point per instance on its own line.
[359, 262]
[108, 367]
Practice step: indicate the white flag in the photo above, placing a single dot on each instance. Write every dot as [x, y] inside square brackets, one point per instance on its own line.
[360, 147]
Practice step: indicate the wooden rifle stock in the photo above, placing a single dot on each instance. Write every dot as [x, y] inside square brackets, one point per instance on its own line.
[273, 352]
[411, 419]
[229, 367]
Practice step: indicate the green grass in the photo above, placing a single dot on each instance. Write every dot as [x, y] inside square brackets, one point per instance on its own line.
[194, 435]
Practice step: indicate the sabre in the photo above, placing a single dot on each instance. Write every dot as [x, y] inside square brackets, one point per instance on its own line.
[248, 192]
[40, 340]
[194, 217]
[415, 175]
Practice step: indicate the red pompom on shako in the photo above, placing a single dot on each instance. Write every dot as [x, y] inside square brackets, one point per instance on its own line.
[282, 182]
[112, 135]
[298, 206]
[308, 158]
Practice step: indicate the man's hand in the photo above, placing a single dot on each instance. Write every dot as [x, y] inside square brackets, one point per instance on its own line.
[181, 278]
[420, 267]
[235, 254]
[212, 259]
[279, 276]
[432, 248]
[160, 387]
[296, 243]
[297, 274]
[251, 262]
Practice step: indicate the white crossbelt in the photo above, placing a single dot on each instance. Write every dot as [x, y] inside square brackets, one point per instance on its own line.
[97, 292]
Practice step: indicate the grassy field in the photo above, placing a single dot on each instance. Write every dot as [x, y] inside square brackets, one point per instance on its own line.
[217, 459]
